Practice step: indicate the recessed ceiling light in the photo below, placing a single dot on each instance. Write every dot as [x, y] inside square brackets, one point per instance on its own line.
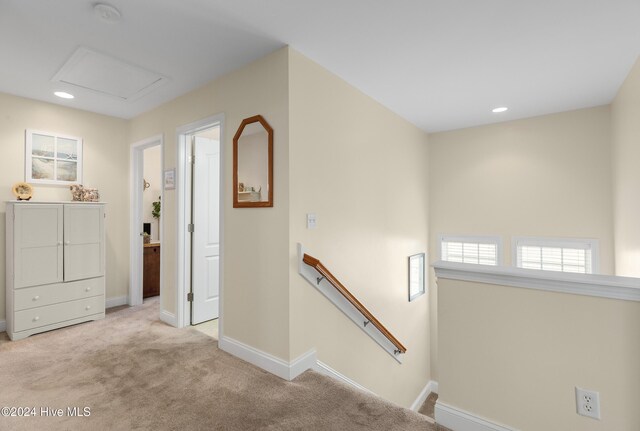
[107, 13]
[64, 95]
[500, 109]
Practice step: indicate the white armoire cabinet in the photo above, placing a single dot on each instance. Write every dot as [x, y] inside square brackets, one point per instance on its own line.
[55, 265]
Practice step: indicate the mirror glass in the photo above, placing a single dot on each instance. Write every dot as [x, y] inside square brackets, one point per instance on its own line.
[253, 164]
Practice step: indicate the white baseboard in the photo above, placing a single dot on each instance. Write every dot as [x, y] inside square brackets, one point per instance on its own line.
[303, 363]
[168, 318]
[116, 302]
[323, 368]
[3, 325]
[460, 420]
[430, 387]
[274, 365]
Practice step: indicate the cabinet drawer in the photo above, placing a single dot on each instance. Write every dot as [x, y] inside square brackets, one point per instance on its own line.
[31, 297]
[49, 314]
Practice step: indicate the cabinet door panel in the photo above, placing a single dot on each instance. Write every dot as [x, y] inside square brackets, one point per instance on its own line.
[38, 251]
[83, 241]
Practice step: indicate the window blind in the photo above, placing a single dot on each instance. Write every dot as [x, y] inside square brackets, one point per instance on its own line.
[574, 257]
[470, 252]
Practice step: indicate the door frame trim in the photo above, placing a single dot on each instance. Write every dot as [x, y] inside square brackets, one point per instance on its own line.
[136, 174]
[183, 198]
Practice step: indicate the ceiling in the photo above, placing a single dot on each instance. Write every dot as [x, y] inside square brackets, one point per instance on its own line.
[440, 64]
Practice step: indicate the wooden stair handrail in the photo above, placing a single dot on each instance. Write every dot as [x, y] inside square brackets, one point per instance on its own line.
[318, 266]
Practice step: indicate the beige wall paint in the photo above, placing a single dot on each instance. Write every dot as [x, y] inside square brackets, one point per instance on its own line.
[505, 349]
[256, 240]
[625, 124]
[547, 176]
[153, 175]
[106, 166]
[363, 171]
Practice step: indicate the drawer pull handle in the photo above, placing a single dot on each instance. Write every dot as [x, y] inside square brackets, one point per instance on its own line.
[35, 298]
[87, 289]
[88, 307]
[59, 242]
[35, 319]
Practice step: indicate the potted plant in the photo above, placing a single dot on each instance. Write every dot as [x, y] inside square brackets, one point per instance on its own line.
[156, 208]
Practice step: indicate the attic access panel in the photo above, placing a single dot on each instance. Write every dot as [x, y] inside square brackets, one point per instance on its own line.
[107, 75]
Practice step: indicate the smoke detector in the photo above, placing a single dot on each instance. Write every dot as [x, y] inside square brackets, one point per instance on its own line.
[107, 13]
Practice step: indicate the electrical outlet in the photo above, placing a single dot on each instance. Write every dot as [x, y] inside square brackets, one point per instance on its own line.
[588, 403]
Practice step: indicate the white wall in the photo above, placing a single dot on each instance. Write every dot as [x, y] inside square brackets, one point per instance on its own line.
[547, 176]
[106, 166]
[625, 119]
[152, 174]
[363, 171]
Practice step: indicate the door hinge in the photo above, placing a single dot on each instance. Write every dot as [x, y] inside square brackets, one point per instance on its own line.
[190, 227]
[192, 159]
[190, 297]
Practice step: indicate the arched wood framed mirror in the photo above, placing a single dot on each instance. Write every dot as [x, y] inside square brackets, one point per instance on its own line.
[253, 164]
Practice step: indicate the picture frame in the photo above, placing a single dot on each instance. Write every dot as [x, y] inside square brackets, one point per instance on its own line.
[170, 179]
[52, 158]
[416, 275]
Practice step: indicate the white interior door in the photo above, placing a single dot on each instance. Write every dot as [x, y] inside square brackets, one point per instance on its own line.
[205, 255]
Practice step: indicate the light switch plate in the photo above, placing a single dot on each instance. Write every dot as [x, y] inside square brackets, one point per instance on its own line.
[312, 221]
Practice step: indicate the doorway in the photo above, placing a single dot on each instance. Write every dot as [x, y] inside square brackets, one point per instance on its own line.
[199, 193]
[146, 227]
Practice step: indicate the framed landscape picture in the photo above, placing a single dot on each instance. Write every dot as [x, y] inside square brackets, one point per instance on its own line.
[52, 158]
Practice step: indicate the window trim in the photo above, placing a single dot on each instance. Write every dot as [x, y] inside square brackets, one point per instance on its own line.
[540, 241]
[483, 239]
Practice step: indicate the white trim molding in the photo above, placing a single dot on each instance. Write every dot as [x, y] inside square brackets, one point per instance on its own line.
[116, 302]
[323, 368]
[168, 318]
[460, 420]
[3, 325]
[431, 387]
[603, 286]
[136, 171]
[266, 361]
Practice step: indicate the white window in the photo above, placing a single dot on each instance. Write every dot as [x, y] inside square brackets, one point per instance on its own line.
[480, 250]
[566, 255]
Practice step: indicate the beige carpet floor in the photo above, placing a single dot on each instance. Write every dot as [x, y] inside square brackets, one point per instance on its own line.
[136, 373]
